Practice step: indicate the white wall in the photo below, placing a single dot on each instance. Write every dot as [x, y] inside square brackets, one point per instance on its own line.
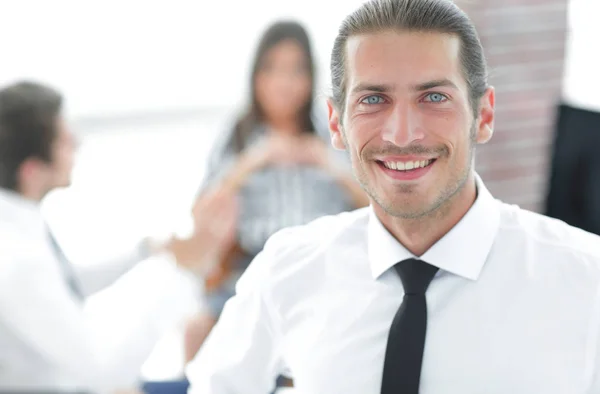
[581, 84]
[115, 57]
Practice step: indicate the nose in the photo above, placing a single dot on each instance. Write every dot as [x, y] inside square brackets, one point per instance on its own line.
[402, 127]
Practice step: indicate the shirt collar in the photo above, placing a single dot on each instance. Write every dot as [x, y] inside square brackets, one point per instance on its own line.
[20, 210]
[462, 251]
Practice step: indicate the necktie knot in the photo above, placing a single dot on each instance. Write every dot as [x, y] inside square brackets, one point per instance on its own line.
[416, 275]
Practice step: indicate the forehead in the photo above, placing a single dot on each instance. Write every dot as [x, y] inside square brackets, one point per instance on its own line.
[403, 58]
[287, 49]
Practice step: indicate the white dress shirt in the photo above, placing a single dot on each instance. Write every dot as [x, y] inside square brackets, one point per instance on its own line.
[50, 340]
[515, 308]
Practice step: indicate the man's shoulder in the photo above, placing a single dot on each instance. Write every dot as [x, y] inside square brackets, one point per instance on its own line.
[298, 251]
[18, 244]
[301, 246]
[320, 232]
[553, 235]
[20, 256]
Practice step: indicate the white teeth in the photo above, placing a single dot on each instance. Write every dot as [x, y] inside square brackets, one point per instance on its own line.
[405, 166]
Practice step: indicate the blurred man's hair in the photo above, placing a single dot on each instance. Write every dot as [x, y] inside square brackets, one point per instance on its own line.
[29, 113]
[440, 16]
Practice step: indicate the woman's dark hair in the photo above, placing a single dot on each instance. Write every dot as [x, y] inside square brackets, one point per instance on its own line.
[254, 115]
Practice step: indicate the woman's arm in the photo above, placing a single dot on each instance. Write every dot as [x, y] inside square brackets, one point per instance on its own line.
[244, 165]
[273, 149]
[347, 181]
[316, 152]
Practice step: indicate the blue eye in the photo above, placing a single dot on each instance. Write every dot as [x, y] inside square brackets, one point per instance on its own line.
[435, 97]
[372, 100]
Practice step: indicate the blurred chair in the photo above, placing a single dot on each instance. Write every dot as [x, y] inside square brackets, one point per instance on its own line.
[166, 387]
[574, 186]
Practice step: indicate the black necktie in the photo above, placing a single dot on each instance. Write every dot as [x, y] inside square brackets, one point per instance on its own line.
[406, 340]
[67, 268]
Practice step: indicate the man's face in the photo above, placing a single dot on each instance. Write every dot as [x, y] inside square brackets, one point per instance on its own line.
[407, 123]
[63, 153]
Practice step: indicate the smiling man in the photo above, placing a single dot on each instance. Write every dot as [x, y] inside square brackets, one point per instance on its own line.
[437, 287]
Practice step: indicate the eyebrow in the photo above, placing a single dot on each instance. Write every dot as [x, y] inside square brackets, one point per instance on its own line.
[384, 88]
[435, 84]
[368, 87]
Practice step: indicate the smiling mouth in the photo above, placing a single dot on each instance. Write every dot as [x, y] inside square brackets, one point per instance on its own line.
[406, 166]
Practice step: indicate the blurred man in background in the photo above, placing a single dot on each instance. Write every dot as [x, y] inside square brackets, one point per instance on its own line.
[51, 339]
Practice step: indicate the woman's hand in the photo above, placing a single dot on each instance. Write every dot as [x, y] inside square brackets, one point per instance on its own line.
[314, 151]
[215, 223]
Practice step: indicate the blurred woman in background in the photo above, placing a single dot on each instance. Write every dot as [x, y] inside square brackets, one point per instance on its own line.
[276, 160]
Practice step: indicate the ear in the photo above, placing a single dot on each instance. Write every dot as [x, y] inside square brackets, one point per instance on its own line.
[28, 171]
[485, 126]
[335, 128]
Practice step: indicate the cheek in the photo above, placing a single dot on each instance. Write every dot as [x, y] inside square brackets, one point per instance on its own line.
[440, 121]
[362, 134]
[262, 89]
[298, 90]
[368, 123]
[69, 160]
[366, 126]
[303, 87]
[64, 158]
[450, 129]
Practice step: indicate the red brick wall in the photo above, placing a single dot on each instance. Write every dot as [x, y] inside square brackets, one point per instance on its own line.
[524, 42]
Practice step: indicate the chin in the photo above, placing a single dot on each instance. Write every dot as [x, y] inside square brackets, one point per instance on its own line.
[63, 184]
[409, 206]
[405, 212]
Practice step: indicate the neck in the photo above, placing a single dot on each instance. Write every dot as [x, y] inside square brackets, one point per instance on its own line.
[287, 126]
[32, 193]
[418, 235]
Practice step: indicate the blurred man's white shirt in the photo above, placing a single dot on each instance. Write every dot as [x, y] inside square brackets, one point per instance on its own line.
[50, 340]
